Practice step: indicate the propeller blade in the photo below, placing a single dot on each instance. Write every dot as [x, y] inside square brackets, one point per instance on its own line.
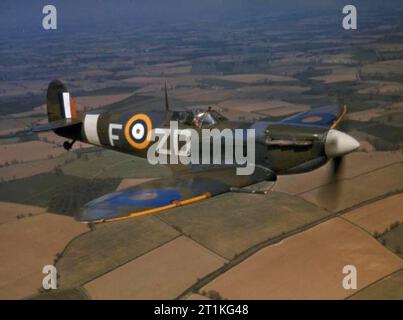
[337, 166]
[334, 182]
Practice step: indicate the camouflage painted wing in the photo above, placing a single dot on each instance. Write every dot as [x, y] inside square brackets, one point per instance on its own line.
[158, 195]
[328, 116]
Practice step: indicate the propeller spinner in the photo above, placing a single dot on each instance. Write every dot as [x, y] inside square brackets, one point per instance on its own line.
[338, 144]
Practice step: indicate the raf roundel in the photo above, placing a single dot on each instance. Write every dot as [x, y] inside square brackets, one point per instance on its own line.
[138, 131]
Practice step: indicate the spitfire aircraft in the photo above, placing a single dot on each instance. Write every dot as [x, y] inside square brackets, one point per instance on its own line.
[297, 144]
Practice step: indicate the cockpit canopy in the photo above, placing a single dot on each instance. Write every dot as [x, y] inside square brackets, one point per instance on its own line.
[205, 118]
[198, 118]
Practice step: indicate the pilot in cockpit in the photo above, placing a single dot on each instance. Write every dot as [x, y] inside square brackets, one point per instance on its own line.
[198, 118]
[204, 118]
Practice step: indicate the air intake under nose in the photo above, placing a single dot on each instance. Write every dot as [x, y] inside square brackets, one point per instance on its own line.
[338, 144]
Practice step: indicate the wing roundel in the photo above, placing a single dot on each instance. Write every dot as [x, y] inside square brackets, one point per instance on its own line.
[328, 116]
[159, 195]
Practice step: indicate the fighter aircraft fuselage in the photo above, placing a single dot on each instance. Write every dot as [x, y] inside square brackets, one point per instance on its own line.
[297, 144]
[282, 148]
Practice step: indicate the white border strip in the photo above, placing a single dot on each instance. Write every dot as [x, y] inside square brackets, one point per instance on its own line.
[91, 128]
[66, 105]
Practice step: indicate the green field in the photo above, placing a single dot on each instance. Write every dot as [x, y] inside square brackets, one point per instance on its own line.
[390, 288]
[111, 164]
[389, 133]
[108, 246]
[233, 222]
[393, 119]
[59, 193]
[393, 239]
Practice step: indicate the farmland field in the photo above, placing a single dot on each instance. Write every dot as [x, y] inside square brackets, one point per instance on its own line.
[109, 246]
[59, 193]
[161, 274]
[30, 244]
[11, 211]
[275, 272]
[389, 288]
[378, 216]
[393, 239]
[28, 151]
[251, 62]
[354, 165]
[112, 164]
[350, 192]
[230, 223]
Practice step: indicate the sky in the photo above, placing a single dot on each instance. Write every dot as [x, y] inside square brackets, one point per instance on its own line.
[18, 15]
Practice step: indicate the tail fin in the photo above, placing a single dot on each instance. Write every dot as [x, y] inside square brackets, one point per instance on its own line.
[60, 104]
[61, 108]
